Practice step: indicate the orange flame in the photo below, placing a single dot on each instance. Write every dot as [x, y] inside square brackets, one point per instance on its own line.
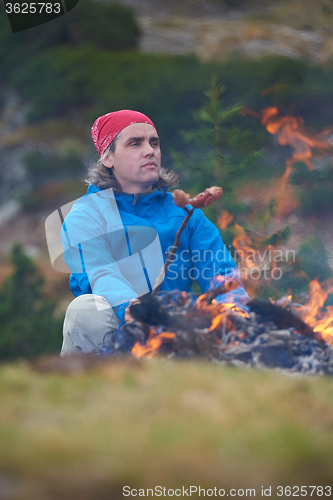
[313, 313]
[224, 219]
[218, 320]
[290, 131]
[221, 318]
[242, 244]
[151, 347]
[228, 285]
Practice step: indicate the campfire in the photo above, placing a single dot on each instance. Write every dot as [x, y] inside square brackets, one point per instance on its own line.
[288, 334]
[177, 325]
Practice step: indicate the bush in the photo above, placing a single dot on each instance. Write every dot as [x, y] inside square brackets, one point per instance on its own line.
[51, 195]
[28, 326]
[316, 202]
[314, 259]
[31, 201]
[314, 188]
[109, 26]
[163, 87]
[88, 81]
[41, 165]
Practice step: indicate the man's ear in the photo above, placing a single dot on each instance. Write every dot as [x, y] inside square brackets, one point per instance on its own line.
[108, 161]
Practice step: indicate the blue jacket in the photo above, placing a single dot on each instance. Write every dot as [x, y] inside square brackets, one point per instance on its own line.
[115, 244]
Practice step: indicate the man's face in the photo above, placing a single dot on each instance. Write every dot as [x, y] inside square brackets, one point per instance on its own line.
[136, 161]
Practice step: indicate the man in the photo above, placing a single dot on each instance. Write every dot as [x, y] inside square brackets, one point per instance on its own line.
[115, 237]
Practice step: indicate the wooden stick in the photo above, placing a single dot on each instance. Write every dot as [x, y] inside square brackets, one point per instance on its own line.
[170, 256]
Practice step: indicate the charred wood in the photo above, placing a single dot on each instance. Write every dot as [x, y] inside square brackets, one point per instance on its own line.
[281, 317]
[270, 337]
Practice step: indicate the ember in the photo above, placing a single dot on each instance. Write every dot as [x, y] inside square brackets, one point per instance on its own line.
[175, 324]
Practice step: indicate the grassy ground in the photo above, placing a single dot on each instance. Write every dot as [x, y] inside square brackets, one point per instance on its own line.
[160, 423]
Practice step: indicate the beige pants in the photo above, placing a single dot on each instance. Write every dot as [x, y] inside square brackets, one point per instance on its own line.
[89, 324]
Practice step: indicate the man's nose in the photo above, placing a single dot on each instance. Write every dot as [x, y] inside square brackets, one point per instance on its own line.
[148, 149]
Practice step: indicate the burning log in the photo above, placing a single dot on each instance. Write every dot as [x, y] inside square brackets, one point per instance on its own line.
[171, 313]
[282, 318]
[183, 314]
[174, 324]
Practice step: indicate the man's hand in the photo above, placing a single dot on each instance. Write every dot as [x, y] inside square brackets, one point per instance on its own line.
[127, 316]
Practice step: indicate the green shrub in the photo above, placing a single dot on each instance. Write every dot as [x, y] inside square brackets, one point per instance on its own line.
[317, 201]
[51, 195]
[31, 201]
[87, 81]
[49, 165]
[313, 257]
[163, 87]
[314, 188]
[106, 25]
[28, 326]
[109, 26]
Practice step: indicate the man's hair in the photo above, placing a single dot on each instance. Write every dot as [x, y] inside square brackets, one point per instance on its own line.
[104, 178]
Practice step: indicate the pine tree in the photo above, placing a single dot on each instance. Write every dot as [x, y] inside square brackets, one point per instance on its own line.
[217, 152]
[28, 326]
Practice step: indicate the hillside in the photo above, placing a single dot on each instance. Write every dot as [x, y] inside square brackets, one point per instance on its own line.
[217, 29]
[37, 152]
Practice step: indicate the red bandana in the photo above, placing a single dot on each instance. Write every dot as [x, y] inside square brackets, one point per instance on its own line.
[106, 127]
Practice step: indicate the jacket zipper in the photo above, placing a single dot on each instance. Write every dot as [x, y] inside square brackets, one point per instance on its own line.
[135, 201]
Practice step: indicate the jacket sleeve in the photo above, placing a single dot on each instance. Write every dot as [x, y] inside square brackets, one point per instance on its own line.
[212, 260]
[86, 244]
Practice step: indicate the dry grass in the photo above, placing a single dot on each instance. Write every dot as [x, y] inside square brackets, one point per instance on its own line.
[160, 423]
